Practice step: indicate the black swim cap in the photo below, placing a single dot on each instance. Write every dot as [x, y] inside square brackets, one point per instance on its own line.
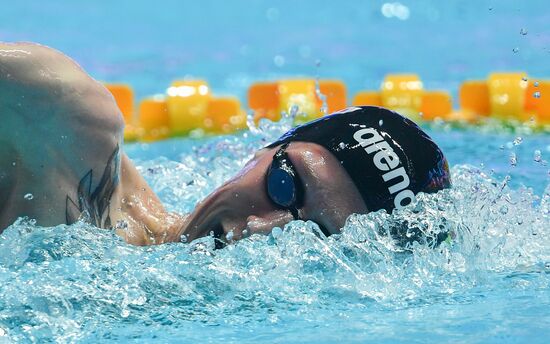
[388, 157]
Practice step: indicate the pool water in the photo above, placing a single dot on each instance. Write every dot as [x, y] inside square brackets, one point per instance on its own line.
[489, 284]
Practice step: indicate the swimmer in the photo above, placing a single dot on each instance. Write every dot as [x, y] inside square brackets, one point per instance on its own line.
[62, 160]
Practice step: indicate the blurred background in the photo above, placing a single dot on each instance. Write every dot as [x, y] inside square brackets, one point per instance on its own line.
[231, 44]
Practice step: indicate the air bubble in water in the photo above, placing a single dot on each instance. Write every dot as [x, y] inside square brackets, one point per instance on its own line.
[536, 84]
[524, 78]
[536, 94]
[515, 50]
[523, 31]
[342, 145]
[28, 196]
[381, 122]
[504, 209]
[518, 141]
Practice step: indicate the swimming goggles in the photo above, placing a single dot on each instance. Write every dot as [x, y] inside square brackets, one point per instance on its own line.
[283, 184]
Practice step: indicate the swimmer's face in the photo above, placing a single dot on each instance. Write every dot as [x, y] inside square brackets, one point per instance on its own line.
[242, 207]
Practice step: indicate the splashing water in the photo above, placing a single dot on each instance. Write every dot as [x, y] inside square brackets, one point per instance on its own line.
[80, 283]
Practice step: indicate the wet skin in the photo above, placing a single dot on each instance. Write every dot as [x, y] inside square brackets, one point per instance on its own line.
[61, 141]
[242, 203]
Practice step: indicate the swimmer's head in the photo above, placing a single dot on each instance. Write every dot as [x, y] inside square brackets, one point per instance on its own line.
[388, 157]
[358, 160]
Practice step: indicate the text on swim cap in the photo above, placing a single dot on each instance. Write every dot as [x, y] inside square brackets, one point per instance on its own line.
[386, 159]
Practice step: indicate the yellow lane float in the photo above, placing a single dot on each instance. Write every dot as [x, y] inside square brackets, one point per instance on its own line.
[405, 93]
[508, 97]
[270, 99]
[188, 106]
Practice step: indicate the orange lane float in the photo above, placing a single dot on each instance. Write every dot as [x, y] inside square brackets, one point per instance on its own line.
[435, 104]
[154, 119]
[188, 107]
[506, 96]
[541, 99]
[124, 97]
[224, 115]
[405, 93]
[367, 98]
[473, 98]
[270, 99]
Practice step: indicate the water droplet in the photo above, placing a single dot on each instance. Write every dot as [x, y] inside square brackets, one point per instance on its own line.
[518, 141]
[183, 238]
[536, 84]
[524, 78]
[515, 50]
[538, 156]
[28, 196]
[520, 221]
[342, 145]
[381, 122]
[513, 159]
[501, 147]
[121, 224]
[504, 210]
[276, 232]
[245, 233]
[536, 94]
[523, 31]
[229, 236]
[13, 163]
[279, 60]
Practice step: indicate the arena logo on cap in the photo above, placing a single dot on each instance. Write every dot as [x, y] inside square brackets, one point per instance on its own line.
[387, 160]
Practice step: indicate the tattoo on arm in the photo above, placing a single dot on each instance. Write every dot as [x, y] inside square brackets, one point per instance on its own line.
[94, 206]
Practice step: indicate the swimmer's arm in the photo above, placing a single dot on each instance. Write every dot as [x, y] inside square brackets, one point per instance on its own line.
[143, 218]
[66, 130]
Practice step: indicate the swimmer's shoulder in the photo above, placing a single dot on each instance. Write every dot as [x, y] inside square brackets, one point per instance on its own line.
[62, 131]
[48, 101]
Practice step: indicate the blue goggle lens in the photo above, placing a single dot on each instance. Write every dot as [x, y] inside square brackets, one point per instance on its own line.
[281, 188]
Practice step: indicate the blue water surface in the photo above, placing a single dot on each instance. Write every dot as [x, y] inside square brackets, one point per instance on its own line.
[490, 284]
